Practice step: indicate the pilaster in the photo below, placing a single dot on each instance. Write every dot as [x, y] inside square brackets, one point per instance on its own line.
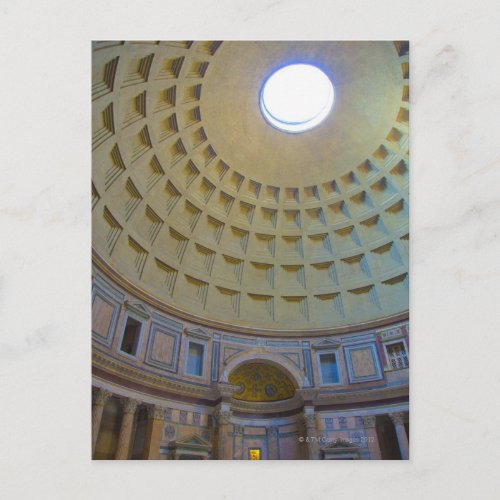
[156, 418]
[370, 425]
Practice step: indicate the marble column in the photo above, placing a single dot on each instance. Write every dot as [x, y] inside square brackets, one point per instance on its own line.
[101, 396]
[398, 420]
[273, 443]
[222, 416]
[370, 425]
[154, 429]
[311, 437]
[238, 431]
[123, 448]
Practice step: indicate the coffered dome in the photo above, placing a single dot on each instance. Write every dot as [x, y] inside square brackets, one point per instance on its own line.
[204, 209]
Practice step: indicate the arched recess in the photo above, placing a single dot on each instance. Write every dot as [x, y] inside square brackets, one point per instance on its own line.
[261, 356]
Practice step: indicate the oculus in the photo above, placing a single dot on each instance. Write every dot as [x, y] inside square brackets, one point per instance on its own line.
[296, 98]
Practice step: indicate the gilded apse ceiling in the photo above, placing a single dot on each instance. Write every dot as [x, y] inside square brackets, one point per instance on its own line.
[199, 204]
[261, 382]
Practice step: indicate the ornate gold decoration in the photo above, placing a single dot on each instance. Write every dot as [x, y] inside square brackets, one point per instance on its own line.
[261, 382]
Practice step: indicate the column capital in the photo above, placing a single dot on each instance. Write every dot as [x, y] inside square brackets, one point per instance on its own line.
[129, 405]
[222, 416]
[156, 412]
[272, 431]
[397, 418]
[238, 430]
[101, 396]
[225, 390]
[308, 395]
[369, 421]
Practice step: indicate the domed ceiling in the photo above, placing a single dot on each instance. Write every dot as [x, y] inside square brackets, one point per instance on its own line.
[201, 207]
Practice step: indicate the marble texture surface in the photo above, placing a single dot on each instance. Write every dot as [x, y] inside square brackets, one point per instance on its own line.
[45, 247]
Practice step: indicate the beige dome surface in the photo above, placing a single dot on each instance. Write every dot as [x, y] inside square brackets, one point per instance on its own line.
[368, 87]
[202, 207]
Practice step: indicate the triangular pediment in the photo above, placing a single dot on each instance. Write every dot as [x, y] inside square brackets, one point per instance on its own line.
[326, 344]
[192, 440]
[138, 308]
[200, 333]
[340, 444]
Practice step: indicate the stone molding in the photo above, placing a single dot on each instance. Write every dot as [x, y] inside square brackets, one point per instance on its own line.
[307, 394]
[362, 396]
[197, 332]
[138, 308]
[224, 390]
[138, 375]
[392, 333]
[327, 343]
[277, 406]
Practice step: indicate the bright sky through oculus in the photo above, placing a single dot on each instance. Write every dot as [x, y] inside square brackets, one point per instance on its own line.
[297, 98]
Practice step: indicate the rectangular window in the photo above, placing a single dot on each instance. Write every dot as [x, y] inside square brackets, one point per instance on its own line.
[397, 355]
[329, 369]
[195, 359]
[131, 335]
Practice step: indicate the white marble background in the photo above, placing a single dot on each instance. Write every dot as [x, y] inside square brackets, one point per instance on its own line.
[45, 248]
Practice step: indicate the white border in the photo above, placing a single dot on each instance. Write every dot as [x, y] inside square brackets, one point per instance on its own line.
[45, 249]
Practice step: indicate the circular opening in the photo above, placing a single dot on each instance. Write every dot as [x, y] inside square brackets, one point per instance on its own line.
[296, 98]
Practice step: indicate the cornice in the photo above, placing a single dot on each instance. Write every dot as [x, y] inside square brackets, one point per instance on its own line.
[136, 379]
[263, 408]
[150, 381]
[386, 392]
